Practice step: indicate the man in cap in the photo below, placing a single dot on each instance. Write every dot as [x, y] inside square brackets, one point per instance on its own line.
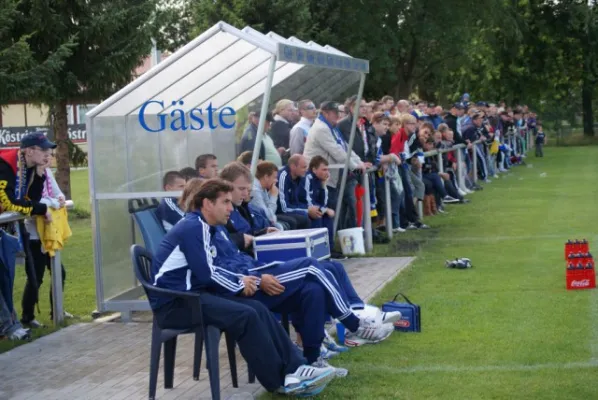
[21, 187]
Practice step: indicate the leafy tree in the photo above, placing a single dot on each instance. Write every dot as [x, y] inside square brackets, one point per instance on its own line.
[21, 75]
[112, 37]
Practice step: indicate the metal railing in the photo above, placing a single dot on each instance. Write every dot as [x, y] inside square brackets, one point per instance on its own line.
[510, 140]
[55, 266]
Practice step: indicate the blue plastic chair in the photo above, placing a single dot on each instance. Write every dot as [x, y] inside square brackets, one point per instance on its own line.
[153, 232]
[142, 262]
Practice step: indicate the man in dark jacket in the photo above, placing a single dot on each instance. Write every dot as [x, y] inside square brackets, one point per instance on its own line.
[250, 133]
[21, 185]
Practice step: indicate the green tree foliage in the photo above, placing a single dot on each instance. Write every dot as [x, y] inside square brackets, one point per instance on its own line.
[21, 74]
[111, 38]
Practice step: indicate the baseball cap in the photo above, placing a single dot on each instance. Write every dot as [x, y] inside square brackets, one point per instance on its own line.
[258, 113]
[459, 106]
[329, 106]
[37, 139]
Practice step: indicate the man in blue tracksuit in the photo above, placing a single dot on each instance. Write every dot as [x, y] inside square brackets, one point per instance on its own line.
[291, 181]
[168, 211]
[315, 193]
[244, 222]
[187, 260]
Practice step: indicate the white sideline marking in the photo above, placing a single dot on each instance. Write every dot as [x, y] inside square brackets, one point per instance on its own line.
[503, 238]
[482, 368]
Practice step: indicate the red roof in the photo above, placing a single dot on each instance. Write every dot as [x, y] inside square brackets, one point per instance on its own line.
[147, 64]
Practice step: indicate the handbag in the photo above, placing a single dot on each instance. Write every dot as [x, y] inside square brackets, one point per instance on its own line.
[411, 314]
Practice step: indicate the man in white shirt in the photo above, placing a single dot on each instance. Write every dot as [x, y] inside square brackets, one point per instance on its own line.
[300, 130]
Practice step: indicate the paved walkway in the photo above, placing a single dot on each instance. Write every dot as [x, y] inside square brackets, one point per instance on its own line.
[110, 360]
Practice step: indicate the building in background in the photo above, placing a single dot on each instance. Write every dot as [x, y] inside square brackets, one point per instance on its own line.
[18, 119]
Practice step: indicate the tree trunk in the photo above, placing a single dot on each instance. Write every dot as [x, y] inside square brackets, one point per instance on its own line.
[404, 89]
[63, 168]
[586, 105]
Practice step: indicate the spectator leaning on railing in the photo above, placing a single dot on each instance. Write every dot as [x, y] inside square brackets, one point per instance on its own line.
[326, 141]
[21, 188]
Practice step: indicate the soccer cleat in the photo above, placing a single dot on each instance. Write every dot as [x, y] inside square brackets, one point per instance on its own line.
[307, 380]
[458, 263]
[370, 331]
[330, 344]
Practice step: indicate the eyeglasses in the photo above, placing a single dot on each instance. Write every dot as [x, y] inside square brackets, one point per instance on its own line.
[310, 107]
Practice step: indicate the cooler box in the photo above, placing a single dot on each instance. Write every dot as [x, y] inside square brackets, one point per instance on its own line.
[289, 245]
[411, 314]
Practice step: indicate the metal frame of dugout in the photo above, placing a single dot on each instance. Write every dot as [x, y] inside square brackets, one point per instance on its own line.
[224, 66]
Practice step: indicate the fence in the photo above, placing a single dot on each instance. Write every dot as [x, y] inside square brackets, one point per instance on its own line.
[55, 265]
[510, 140]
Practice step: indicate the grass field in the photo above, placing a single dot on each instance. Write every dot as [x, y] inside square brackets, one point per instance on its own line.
[506, 329]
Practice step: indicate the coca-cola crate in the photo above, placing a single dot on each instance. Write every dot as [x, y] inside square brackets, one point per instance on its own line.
[581, 279]
[576, 246]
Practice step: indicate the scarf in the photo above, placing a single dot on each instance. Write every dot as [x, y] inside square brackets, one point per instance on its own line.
[335, 133]
[21, 189]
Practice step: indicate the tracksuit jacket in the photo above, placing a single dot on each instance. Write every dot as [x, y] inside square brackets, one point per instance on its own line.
[290, 193]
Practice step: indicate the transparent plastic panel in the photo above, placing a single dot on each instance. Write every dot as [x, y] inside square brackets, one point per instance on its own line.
[109, 153]
[283, 71]
[115, 242]
[224, 83]
[191, 61]
[216, 72]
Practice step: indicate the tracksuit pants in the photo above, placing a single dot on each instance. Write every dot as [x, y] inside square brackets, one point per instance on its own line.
[338, 274]
[325, 222]
[263, 342]
[307, 288]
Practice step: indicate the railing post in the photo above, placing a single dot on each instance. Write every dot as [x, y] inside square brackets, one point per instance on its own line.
[57, 293]
[388, 207]
[475, 162]
[460, 176]
[439, 162]
[367, 215]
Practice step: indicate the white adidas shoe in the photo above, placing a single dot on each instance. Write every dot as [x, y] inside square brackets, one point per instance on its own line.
[378, 315]
[307, 380]
[370, 331]
[391, 317]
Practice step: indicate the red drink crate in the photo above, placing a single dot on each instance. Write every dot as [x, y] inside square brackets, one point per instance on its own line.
[576, 246]
[581, 279]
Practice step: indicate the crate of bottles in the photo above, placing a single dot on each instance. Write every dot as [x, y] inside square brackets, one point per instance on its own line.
[580, 265]
[576, 246]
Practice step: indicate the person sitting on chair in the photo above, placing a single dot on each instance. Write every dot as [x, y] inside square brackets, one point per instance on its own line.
[300, 285]
[184, 261]
[168, 211]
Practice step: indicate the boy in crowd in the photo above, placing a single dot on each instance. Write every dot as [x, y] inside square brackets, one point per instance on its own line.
[206, 166]
[264, 194]
[316, 194]
[168, 211]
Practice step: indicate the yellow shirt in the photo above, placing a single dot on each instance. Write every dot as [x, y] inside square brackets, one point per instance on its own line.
[54, 235]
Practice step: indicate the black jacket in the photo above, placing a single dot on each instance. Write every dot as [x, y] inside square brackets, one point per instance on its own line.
[248, 141]
[344, 126]
[280, 132]
[29, 203]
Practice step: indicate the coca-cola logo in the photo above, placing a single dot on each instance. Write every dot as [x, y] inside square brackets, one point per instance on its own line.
[582, 283]
[403, 323]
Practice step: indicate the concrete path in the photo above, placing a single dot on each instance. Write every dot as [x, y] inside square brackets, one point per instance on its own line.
[110, 360]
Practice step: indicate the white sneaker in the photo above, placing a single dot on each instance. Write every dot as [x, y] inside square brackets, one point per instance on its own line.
[20, 334]
[449, 199]
[369, 332]
[463, 193]
[307, 380]
[391, 317]
[399, 230]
